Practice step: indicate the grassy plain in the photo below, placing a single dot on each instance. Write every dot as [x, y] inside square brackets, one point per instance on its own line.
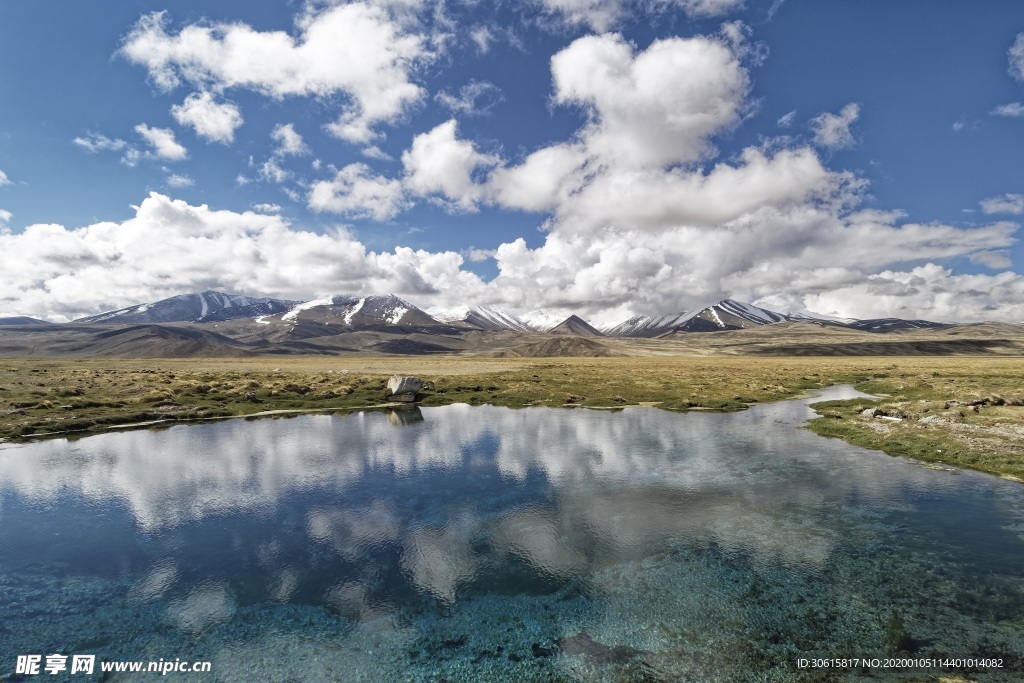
[961, 411]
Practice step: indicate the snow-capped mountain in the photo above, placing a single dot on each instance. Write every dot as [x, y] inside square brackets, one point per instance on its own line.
[543, 320]
[490, 318]
[809, 316]
[645, 325]
[348, 312]
[354, 311]
[204, 307]
[727, 314]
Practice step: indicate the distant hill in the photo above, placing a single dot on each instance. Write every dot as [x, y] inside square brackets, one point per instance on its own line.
[131, 341]
[577, 326]
[565, 346]
[22, 320]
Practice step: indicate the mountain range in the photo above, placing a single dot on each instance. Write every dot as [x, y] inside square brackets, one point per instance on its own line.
[355, 312]
[214, 323]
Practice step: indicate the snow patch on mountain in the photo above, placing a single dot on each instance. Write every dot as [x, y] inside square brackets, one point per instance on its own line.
[396, 314]
[305, 306]
[484, 317]
[544, 320]
[354, 310]
[449, 314]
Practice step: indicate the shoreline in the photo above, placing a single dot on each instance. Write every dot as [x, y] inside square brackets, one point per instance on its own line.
[961, 412]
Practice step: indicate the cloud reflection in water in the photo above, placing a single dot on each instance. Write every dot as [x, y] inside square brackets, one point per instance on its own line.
[450, 495]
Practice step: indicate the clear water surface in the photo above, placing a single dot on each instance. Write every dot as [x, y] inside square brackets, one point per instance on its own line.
[490, 544]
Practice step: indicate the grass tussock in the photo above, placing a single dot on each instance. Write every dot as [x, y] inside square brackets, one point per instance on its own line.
[967, 412]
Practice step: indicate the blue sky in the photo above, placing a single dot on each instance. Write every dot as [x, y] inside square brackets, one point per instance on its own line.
[605, 157]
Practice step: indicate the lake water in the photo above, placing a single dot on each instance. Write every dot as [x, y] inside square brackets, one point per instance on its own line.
[490, 544]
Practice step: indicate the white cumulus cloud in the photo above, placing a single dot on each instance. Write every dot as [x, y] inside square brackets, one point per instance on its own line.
[162, 143]
[289, 142]
[652, 107]
[357, 193]
[832, 131]
[212, 120]
[439, 163]
[354, 49]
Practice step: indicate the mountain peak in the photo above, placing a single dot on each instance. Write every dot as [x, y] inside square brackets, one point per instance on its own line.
[577, 326]
[359, 311]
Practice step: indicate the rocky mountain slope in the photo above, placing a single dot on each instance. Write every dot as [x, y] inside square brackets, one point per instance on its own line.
[577, 326]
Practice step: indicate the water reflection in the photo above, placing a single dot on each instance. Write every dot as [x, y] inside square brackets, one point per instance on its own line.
[405, 416]
[372, 514]
[187, 473]
[451, 477]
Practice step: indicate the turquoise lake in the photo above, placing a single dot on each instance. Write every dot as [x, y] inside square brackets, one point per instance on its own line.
[490, 544]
